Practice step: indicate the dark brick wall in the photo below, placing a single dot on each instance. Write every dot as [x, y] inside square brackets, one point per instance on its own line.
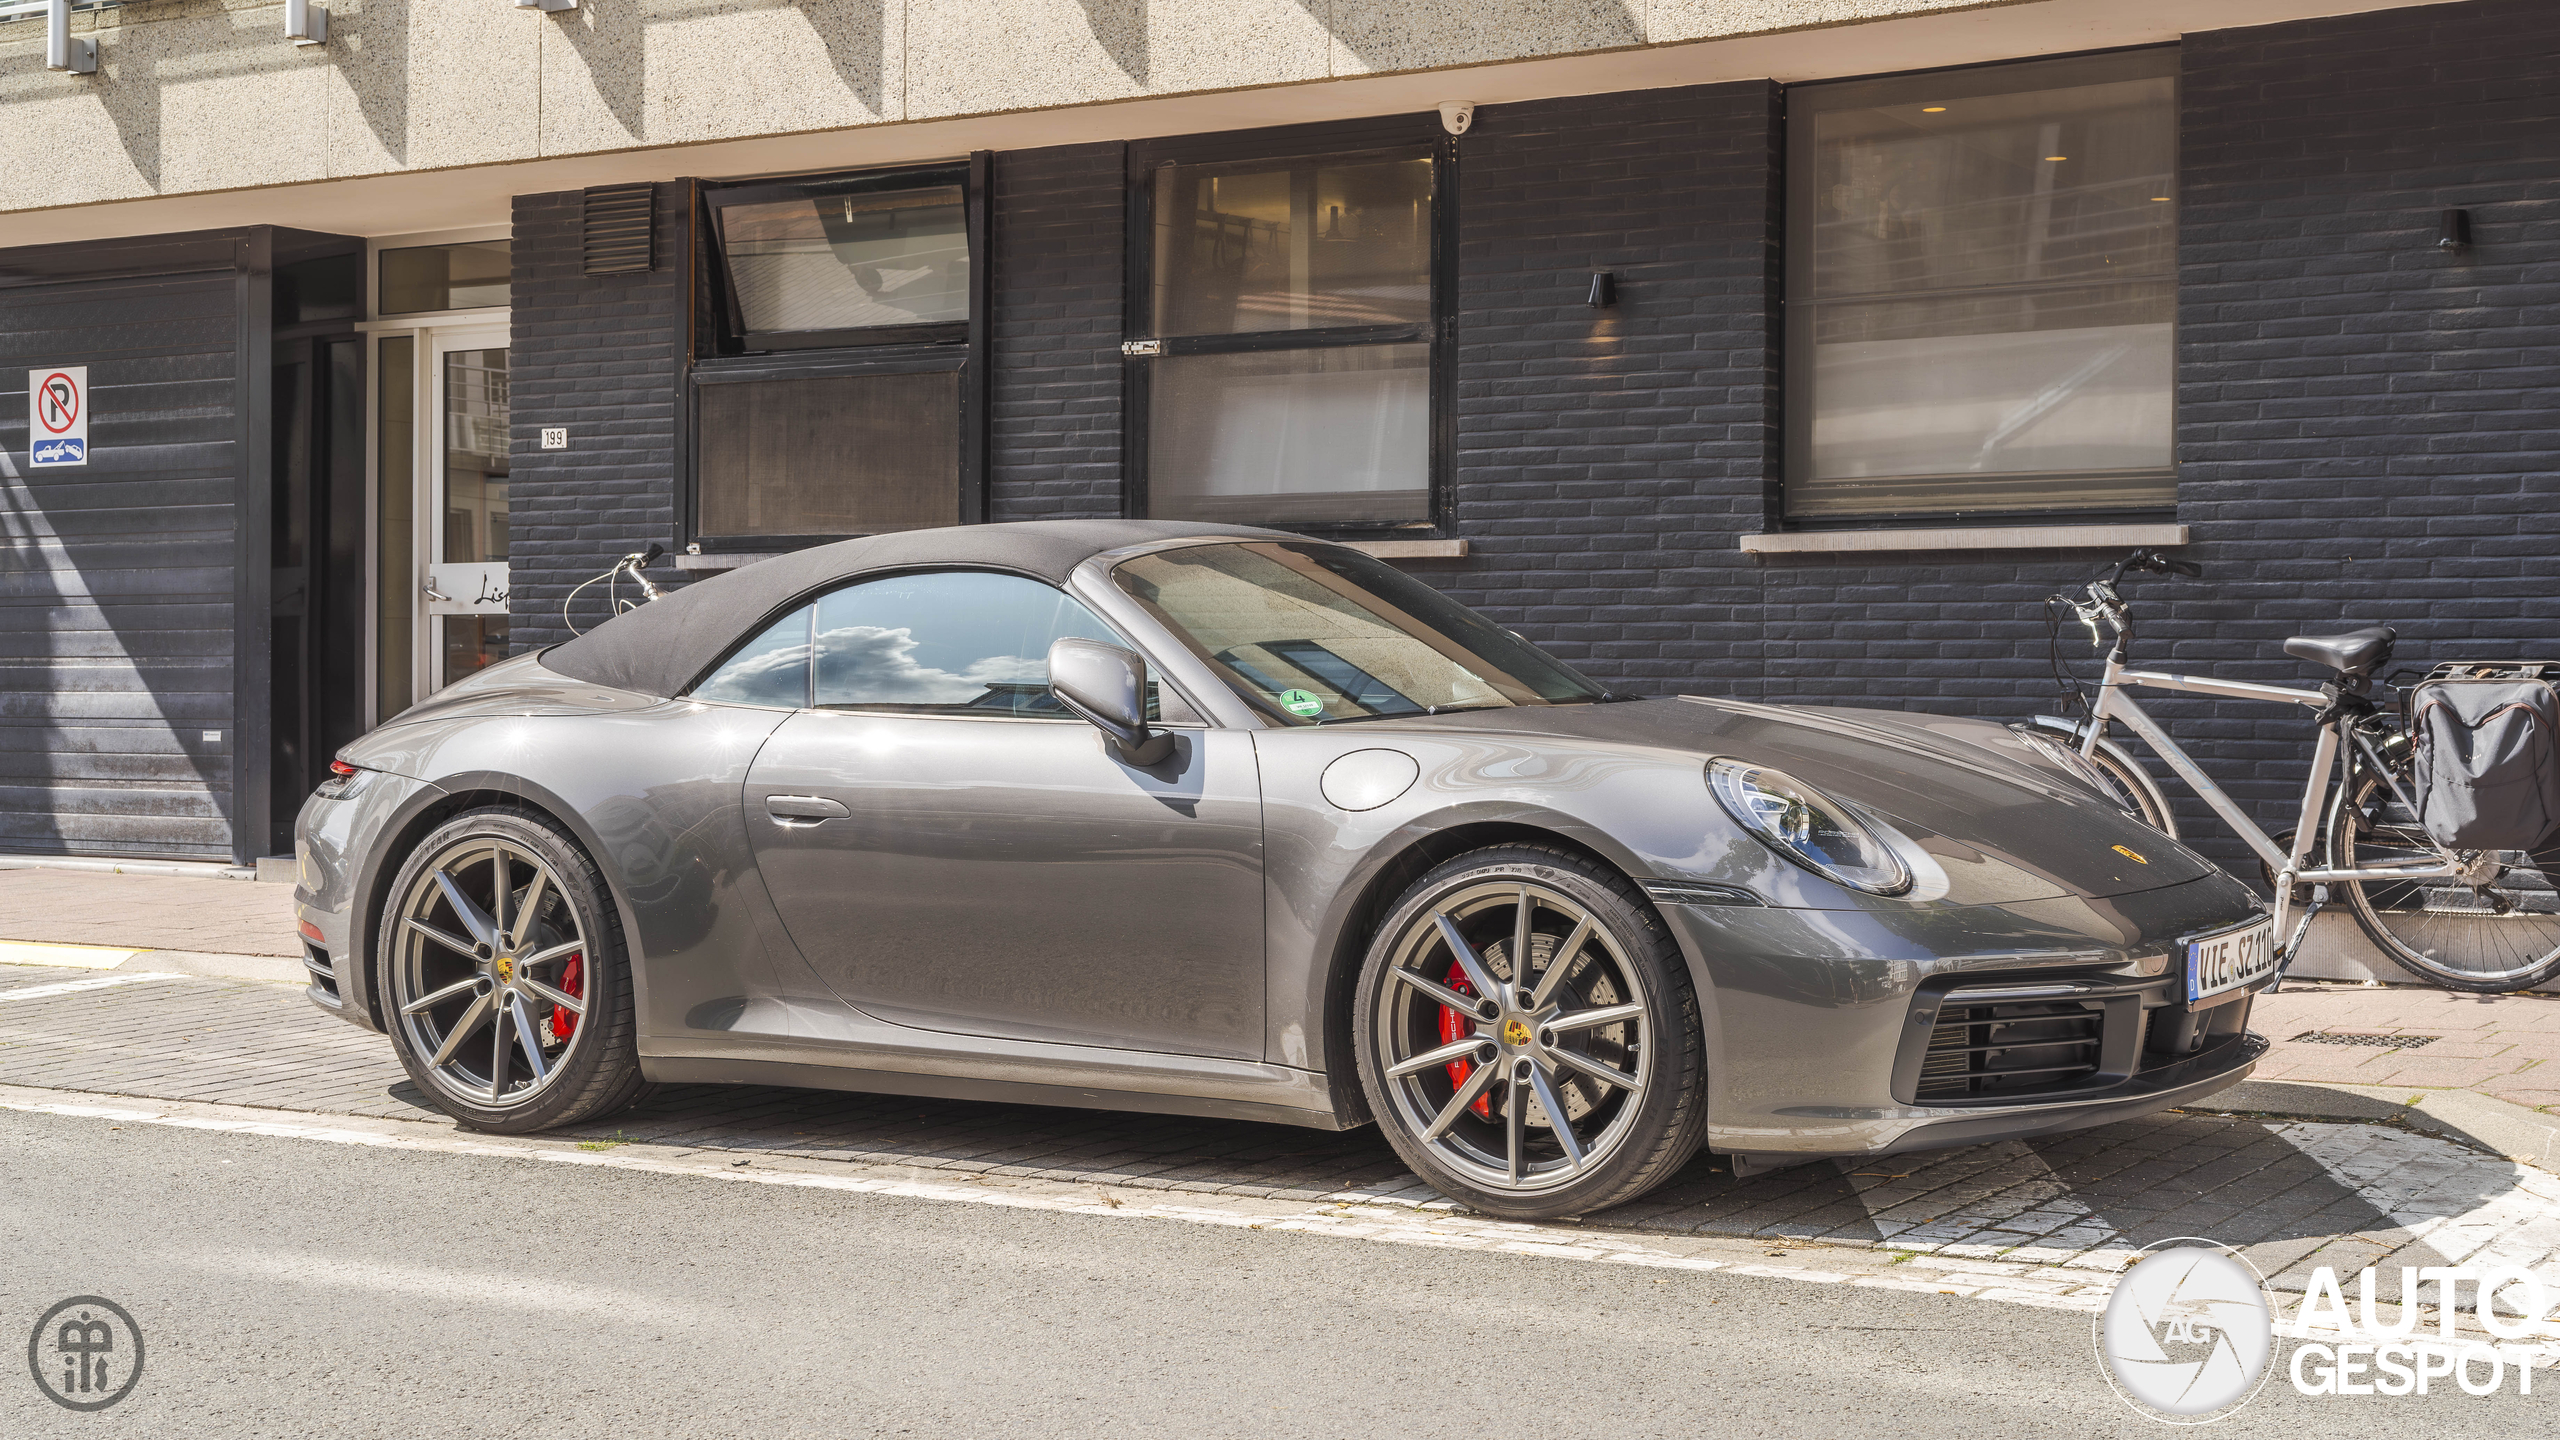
[602, 355]
[1606, 458]
[2367, 424]
[1057, 285]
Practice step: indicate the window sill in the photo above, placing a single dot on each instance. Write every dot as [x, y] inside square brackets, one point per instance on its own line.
[1983, 537]
[1409, 549]
[1383, 549]
[727, 559]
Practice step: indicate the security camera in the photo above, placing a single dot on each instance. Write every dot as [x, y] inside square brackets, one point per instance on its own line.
[1457, 115]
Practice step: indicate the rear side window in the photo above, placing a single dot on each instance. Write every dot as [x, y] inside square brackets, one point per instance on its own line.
[772, 669]
[952, 642]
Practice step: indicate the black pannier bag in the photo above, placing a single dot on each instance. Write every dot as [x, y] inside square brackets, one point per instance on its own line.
[2488, 761]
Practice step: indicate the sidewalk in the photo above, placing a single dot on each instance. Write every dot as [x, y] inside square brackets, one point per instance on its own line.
[97, 920]
[2481, 1069]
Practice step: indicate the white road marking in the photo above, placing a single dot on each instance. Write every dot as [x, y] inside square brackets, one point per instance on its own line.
[521, 1292]
[76, 957]
[94, 982]
[1348, 1215]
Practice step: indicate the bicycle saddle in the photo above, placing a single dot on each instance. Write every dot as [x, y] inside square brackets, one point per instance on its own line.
[2355, 653]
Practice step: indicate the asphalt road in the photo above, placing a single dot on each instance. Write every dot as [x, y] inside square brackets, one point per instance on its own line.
[287, 1288]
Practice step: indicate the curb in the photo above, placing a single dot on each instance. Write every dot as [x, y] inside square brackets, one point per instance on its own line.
[203, 964]
[190, 869]
[2500, 1127]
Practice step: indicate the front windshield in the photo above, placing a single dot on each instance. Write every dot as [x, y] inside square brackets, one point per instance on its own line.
[1316, 634]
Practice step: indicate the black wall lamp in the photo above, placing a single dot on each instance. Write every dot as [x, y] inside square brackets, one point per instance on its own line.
[2456, 234]
[1604, 289]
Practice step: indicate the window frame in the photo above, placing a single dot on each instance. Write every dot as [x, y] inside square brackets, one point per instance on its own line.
[1795, 318]
[1297, 142]
[734, 338]
[720, 352]
[1173, 707]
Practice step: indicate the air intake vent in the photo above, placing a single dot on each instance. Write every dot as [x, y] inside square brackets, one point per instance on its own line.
[2012, 1048]
[620, 236]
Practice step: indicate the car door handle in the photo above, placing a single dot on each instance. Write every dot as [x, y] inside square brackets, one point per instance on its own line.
[803, 809]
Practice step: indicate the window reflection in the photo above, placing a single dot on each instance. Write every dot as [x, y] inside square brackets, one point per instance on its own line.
[844, 262]
[1292, 245]
[1983, 290]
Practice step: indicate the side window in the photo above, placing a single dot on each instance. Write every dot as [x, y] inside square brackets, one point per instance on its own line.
[773, 669]
[953, 642]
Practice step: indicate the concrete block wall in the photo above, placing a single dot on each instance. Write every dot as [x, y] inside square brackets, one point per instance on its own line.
[1060, 271]
[604, 356]
[2368, 425]
[1607, 458]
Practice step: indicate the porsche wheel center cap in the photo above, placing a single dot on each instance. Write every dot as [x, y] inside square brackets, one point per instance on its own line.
[505, 969]
[1515, 1032]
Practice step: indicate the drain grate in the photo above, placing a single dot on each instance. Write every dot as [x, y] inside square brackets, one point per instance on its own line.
[2347, 1037]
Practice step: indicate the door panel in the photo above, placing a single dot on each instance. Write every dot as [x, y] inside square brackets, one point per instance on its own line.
[315, 596]
[467, 578]
[1011, 878]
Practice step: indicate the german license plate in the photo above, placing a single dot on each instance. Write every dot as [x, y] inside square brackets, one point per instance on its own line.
[2231, 959]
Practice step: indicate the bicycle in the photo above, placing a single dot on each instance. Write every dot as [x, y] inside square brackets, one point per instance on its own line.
[631, 564]
[2492, 922]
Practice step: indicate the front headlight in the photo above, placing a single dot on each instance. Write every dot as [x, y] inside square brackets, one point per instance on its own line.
[1810, 828]
[2069, 761]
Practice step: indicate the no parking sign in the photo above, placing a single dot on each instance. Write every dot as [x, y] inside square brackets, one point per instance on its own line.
[58, 416]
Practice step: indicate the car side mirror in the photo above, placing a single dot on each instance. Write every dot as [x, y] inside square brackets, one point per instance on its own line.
[1108, 687]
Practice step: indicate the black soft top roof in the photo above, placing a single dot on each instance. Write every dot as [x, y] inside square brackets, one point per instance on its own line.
[662, 647]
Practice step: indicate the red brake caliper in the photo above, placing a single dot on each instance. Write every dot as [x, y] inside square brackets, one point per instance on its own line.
[573, 980]
[1454, 1027]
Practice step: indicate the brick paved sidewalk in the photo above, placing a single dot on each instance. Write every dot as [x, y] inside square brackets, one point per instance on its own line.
[2293, 1195]
[2503, 1046]
[2506, 1047]
[146, 912]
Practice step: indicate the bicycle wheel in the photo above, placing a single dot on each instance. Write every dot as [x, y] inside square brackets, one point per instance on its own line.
[2126, 784]
[2492, 931]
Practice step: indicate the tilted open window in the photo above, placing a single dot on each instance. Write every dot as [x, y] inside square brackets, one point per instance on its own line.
[840, 387]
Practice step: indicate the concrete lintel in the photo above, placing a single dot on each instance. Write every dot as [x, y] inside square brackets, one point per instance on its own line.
[727, 560]
[1411, 549]
[1978, 537]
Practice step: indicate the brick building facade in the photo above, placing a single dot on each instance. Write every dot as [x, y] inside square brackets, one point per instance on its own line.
[2364, 424]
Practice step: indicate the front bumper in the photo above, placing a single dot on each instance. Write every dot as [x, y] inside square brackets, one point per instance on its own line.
[1875, 1031]
[339, 848]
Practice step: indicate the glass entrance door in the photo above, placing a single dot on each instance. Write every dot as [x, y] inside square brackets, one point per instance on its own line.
[466, 509]
[442, 508]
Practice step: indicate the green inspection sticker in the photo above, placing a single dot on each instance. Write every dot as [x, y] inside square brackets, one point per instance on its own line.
[1301, 702]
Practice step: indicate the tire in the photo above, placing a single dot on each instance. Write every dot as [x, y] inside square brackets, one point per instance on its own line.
[1469, 1110]
[558, 961]
[2443, 931]
[2127, 785]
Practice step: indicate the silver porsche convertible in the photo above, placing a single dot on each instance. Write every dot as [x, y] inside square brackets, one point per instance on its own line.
[1222, 821]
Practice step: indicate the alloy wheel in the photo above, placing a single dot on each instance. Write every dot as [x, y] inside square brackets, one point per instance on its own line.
[488, 972]
[1512, 1036]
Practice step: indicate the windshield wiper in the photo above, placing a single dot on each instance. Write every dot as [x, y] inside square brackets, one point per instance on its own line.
[1413, 714]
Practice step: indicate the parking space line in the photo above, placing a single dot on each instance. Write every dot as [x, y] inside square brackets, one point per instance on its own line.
[94, 982]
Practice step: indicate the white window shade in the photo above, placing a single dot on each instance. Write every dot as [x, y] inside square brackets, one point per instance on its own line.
[1323, 436]
[1982, 291]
